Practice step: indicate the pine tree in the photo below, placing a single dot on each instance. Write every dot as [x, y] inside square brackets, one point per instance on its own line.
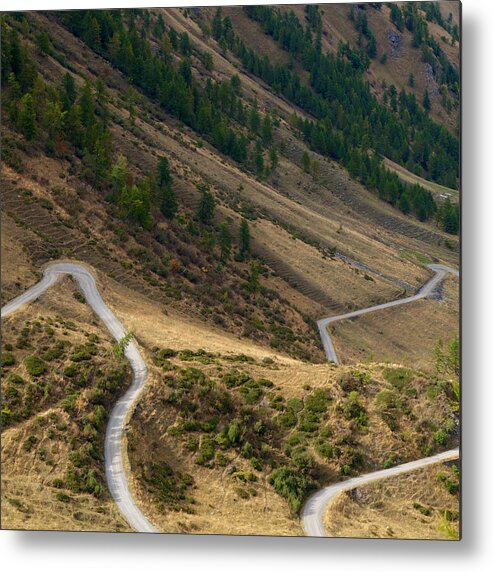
[163, 172]
[449, 216]
[184, 44]
[14, 92]
[205, 211]
[87, 116]
[245, 239]
[100, 159]
[68, 91]
[27, 117]
[254, 118]
[426, 100]
[94, 35]
[371, 47]
[267, 130]
[225, 240]
[259, 160]
[217, 25]
[72, 126]
[305, 162]
[168, 201]
[119, 176]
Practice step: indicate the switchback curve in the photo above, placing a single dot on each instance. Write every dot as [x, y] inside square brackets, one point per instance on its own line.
[113, 448]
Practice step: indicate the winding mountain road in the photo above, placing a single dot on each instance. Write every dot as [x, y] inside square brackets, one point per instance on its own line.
[316, 505]
[113, 449]
[426, 290]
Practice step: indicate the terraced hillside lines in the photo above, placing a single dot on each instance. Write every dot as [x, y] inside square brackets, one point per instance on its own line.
[363, 208]
[58, 239]
[113, 447]
[296, 280]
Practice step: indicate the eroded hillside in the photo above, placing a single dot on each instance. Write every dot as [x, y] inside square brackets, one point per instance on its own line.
[225, 200]
[323, 242]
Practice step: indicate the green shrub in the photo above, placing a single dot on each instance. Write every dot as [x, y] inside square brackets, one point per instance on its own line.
[30, 443]
[165, 354]
[35, 366]
[256, 464]
[390, 461]
[424, 510]
[5, 417]
[327, 451]
[62, 497]
[207, 450]
[440, 437]
[234, 432]
[354, 410]
[389, 406]
[235, 378]
[247, 450]
[317, 401]
[291, 484]
[251, 394]
[79, 297]
[398, 377]
[7, 359]
[55, 352]
[245, 476]
[295, 404]
[82, 355]
[286, 420]
[71, 370]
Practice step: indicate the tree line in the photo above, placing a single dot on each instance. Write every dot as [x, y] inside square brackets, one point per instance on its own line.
[67, 119]
[351, 126]
[213, 109]
[344, 101]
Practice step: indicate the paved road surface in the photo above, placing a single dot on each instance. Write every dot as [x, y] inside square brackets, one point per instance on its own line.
[427, 289]
[314, 508]
[115, 472]
[113, 451]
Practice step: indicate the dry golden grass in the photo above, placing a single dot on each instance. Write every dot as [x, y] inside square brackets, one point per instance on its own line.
[218, 507]
[29, 502]
[29, 499]
[407, 506]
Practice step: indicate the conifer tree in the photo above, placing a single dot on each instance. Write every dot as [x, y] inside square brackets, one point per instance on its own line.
[225, 240]
[27, 117]
[205, 211]
[245, 239]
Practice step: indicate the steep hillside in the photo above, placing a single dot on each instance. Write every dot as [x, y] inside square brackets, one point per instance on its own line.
[421, 504]
[233, 444]
[59, 380]
[229, 177]
[349, 244]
